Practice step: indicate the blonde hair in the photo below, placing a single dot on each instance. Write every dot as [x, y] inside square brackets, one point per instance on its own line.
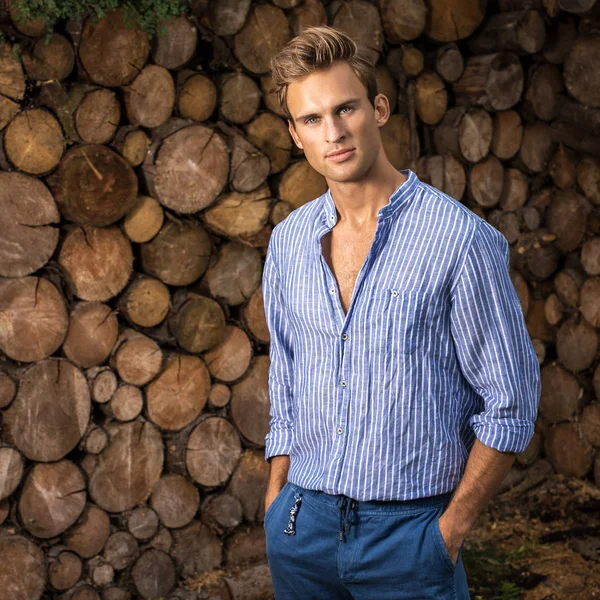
[315, 49]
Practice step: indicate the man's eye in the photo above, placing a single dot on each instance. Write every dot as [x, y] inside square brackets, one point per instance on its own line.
[345, 108]
[308, 121]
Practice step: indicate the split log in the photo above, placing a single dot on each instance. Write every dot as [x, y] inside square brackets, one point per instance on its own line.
[120, 550]
[93, 330]
[239, 216]
[270, 134]
[239, 98]
[32, 27]
[271, 99]
[588, 178]
[568, 451]
[265, 32]
[175, 43]
[250, 402]
[97, 261]
[137, 358]
[542, 261]
[590, 256]
[581, 72]
[221, 512]
[19, 556]
[234, 258]
[50, 414]
[386, 85]
[454, 20]
[508, 134]
[310, 13]
[103, 383]
[431, 98]
[100, 573]
[300, 183]
[175, 500]
[142, 523]
[537, 146]
[559, 38]
[144, 220]
[228, 16]
[219, 395]
[178, 395]
[11, 471]
[486, 182]
[545, 92]
[253, 317]
[193, 184]
[449, 62]
[230, 358]
[96, 116]
[361, 21]
[163, 540]
[444, 173]
[89, 535]
[560, 394]
[52, 499]
[179, 254]
[248, 484]
[37, 129]
[12, 80]
[515, 190]
[522, 32]
[95, 441]
[566, 217]
[493, 81]
[249, 167]
[35, 319]
[589, 299]
[8, 109]
[396, 138]
[145, 302]
[563, 168]
[93, 186]
[215, 437]
[196, 549]
[84, 592]
[127, 403]
[590, 424]
[150, 98]
[8, 389]
[51, 58]
[64, 570]
[403, 22]
[128, 468]
[154, 574]
[576, 6]
[567, 284]
[133, 145]
[197, 98]
[576, 344]
[27, 214]
[109, 63]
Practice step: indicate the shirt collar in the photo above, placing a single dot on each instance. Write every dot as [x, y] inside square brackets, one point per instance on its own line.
[398, 199]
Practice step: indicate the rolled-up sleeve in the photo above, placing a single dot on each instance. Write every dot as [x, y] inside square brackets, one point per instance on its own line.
[493, 345]
[280, 437]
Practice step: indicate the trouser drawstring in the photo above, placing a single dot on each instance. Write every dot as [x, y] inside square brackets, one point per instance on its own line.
[291, 526]
[347, 514]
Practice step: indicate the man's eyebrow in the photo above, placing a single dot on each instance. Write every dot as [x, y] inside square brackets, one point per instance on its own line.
[335, 109]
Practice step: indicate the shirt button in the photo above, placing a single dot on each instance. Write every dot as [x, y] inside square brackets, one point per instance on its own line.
[332, 217]
[394, 293]
[332, 290]
[343, 384]
[340, 430]
[344, 336]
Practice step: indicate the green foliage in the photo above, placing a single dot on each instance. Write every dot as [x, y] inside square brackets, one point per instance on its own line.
[147, 14]
[509, 591]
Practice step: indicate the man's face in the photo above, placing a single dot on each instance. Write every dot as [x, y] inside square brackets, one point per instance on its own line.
[332, 113]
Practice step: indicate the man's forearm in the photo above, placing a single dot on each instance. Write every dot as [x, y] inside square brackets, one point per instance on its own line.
[279, 469]
[485, 470]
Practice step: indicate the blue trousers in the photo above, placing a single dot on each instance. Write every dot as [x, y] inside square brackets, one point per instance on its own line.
[328, 547]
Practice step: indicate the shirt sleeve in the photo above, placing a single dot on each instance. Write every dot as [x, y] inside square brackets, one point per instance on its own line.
[493, 346]
[280, 437]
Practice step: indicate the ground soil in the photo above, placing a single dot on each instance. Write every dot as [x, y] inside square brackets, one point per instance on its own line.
[539, 539]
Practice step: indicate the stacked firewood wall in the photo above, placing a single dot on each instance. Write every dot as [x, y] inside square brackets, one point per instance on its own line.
[139, 183]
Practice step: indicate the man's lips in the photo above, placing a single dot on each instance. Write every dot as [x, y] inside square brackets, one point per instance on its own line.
[340, 155]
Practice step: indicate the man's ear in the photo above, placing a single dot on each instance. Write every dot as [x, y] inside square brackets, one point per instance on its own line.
[382, 109]
[294, 135]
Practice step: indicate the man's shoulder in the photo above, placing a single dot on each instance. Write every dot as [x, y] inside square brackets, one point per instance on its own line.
[300, 221]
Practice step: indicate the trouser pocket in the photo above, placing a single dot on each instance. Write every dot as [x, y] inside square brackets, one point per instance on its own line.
[275, 502]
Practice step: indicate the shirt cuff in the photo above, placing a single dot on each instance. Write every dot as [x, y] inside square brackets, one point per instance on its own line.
[278, 441]
[513, 437]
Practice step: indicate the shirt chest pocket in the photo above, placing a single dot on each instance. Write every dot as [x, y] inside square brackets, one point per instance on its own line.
[403, 321]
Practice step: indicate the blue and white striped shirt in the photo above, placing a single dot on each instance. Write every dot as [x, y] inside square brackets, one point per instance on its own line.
[384, 403]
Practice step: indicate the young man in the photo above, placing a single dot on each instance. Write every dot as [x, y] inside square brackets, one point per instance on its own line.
[402, 379]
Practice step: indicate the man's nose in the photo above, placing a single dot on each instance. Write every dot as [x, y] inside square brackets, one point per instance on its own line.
[333, 130]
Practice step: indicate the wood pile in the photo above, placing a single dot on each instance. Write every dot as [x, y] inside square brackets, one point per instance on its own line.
[139, 183]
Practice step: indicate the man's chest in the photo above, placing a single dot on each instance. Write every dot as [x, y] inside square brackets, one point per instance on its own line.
[345, 252]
